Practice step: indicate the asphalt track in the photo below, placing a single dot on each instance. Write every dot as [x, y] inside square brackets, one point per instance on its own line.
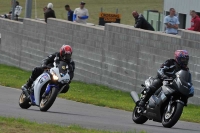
[65, 112]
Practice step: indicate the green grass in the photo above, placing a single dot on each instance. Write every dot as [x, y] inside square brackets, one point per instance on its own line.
[125, 7]
[17, 125]
[89, 93]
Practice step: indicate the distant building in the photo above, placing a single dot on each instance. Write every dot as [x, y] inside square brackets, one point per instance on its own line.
[155, 18]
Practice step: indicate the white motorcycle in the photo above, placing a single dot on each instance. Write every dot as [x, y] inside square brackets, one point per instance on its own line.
[46, 87]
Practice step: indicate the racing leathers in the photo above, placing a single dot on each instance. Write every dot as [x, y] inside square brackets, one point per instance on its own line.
[48, 63]
[167, 70]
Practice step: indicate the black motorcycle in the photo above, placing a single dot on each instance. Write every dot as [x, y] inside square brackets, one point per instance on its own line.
[166, 105]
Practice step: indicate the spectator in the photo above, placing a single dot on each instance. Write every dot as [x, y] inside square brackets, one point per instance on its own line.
[141, 22]
[171, 22]
[49, 12]
[17, 11]
[70, 13]
[44, 9]
[195, 22]
[81, 14]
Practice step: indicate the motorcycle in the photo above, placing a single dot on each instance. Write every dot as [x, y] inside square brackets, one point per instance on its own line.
[166, 105]
[46, 87]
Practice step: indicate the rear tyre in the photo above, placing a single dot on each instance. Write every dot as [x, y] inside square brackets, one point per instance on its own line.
[169, 119]
[24, 102]
[48, 101]
[137, 117]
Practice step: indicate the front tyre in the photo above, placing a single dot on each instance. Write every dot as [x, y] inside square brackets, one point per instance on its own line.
[169, 119]
[137, 117]
[24, 102]
[48, 101]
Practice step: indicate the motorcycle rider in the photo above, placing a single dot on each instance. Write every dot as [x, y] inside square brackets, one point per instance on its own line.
[166, 71]
[64, 55]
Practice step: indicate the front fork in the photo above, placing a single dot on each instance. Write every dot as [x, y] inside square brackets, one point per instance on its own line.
[169, 105]
[48, 89]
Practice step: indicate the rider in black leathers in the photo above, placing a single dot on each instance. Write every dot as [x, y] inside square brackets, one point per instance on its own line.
[64, 55]
[167, 70]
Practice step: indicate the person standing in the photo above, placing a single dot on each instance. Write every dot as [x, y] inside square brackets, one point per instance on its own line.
[171, 22]
[195, 22]
[49, 12]
[70, 13]
[141, 22]
[17, 11]
[81, 14]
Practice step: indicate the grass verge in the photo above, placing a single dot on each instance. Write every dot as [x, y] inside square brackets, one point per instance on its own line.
[17, 125]
[89, 93]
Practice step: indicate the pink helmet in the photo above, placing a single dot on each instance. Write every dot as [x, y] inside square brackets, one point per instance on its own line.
[181, 57]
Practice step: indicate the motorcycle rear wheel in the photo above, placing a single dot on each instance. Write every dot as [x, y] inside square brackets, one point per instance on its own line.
[169, 119]
[48, 101]
[24, 102]
[137, 117]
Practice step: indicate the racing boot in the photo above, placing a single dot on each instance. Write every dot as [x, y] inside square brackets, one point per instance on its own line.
[26, 87]
[44, 94]
[143, 101]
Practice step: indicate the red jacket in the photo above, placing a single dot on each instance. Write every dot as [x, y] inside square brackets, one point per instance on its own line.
[195, 24]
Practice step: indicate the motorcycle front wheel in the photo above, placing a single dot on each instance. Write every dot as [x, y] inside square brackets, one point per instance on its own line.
[137, 117]
[24, 102]
[169, 119]
[48, 101]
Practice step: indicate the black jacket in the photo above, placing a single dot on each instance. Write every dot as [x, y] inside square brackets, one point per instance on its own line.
[49, 13]
[70, 15]
[50, 60]
[142, 23]
[169, 69]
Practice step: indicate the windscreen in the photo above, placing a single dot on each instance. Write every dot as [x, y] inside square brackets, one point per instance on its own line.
[184, 75]
[63, 67]
[182, 82]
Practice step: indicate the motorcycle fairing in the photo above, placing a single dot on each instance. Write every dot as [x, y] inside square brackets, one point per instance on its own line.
[155, 104]
[38, 84]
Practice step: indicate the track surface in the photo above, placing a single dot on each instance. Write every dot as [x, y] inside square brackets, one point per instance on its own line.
[65, 112]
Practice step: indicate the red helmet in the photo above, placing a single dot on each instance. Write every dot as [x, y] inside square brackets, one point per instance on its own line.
[66, 52]
[181, 57]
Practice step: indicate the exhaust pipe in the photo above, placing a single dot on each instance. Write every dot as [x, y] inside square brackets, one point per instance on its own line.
[134, 96]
